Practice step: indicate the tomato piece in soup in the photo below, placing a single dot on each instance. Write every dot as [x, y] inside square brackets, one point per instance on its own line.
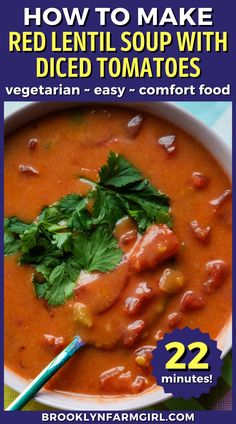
[156, 245]
[142, 294]
[216, 271]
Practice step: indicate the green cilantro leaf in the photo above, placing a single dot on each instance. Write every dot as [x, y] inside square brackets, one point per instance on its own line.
[49, 215]
[62, 241]
[80, 218]
[76, 232]
[137, 196]
[11, 243]
[108, 207]
[40, 288]
[61, 283]
[99, 252]
[16, 226]
[118, 172]
[43, 269]
[55, 218]
[47, 255]
[29, 238]
[146, 205]
[69, 203]
[13, 228]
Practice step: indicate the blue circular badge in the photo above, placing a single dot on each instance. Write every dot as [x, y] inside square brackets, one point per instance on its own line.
[186, 363]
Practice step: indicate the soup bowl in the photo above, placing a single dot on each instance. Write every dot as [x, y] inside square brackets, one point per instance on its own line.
[222, 153]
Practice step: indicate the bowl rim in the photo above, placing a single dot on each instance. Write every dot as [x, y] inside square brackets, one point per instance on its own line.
[213, 143]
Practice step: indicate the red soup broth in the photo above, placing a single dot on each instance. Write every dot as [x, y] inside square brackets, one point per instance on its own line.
[42, 163]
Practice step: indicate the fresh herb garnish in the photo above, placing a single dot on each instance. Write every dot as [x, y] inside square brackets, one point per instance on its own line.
[141, 200]
[118, 172]
[77, 232]
[60, 283]
[98, 252]
[13, 228]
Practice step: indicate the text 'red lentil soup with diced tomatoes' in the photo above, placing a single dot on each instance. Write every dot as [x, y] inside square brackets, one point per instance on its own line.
[118, 229]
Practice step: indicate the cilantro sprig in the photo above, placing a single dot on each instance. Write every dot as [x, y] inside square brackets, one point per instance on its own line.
[69, 236]
[123, 187]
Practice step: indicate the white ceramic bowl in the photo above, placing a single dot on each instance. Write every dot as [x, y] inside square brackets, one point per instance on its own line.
[221, 152]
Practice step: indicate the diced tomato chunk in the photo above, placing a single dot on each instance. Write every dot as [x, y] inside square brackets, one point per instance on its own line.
[110, 376]
[144, 355]
[138, 384]
[135, 125]
[216, 271]
[56, 343]
[157, 244]
[133, 332]
[28, 170]
[119, 380]
[174, 319]
[191, 301]
[199, 180]
[126, 232]
[168, 143]
[134, 303]
[200, 232]
[143, 290]
[32, 143]
[124, 380]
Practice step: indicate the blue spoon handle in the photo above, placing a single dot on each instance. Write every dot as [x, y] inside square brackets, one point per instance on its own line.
[45, 375]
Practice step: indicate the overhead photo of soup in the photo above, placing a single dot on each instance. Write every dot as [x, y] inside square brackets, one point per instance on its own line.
[117, 229]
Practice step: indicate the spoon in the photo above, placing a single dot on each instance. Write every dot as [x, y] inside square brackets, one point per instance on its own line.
[45, 375]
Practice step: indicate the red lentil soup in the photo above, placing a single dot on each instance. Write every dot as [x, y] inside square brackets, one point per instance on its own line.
[168, 276]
